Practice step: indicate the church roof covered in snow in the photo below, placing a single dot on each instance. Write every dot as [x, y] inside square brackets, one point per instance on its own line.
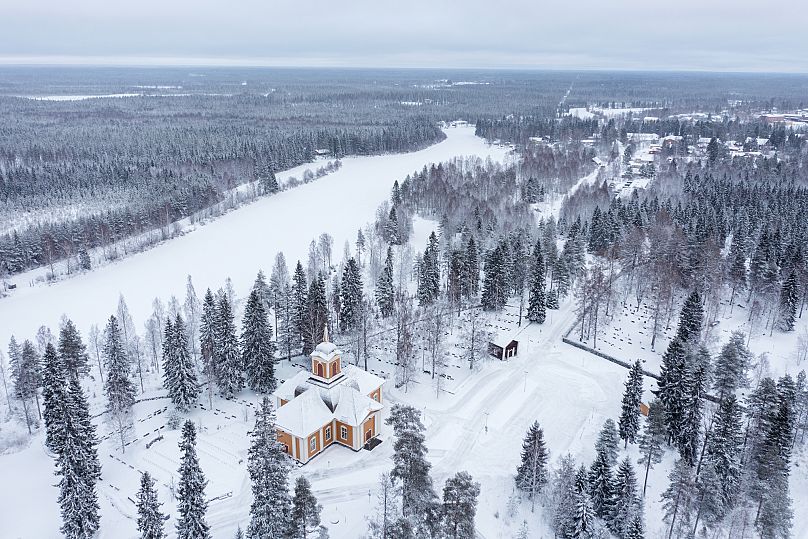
[303, 415]
[353, 407]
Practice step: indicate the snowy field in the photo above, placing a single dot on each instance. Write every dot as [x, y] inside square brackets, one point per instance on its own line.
[235, 245]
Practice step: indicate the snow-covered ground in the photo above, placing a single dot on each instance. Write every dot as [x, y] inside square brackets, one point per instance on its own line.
[476, 423]
[235, 245]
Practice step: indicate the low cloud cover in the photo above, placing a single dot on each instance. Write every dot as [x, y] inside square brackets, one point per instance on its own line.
[621, 34]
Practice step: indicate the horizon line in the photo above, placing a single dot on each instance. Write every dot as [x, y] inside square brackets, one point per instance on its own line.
[321, 63]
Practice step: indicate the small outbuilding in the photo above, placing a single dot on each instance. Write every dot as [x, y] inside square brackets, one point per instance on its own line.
[503, 348]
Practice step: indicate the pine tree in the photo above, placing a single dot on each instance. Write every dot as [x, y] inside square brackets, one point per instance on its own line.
[72, 351]
[118, 387]
[627, 504]
[305, 514]
[228, 360]
[410, 466]
[257, 348]
[269, 475]
[26, 376]
[192, 505]
[652, 439]
[460, 506]
[531, 475]
[677, 500]
[788, 303]
[385, 292]
[179, 374]
[629, 423]
[350, 296]
[536, 309]
[150, 521]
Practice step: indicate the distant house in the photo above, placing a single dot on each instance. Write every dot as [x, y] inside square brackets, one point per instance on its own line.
[644, 409]
[503, 347]
[322, 152]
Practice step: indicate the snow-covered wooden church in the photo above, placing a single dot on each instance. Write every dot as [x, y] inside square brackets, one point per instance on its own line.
[330, 404]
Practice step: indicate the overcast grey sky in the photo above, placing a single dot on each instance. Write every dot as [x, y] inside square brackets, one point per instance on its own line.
[723, 35]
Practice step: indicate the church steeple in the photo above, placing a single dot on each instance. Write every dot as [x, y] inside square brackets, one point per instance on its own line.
[325, 359]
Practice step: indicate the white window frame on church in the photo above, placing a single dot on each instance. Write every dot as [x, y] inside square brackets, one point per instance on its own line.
[313, 443]
[343, 432]
[328, 433]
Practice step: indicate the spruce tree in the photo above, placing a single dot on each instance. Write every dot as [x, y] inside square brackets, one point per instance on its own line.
[536, 306]
[317, 311]
[629, 423]
[191, 503]
[385, 292]
[305, 513]
[672, 387]
[257, 348]
[179, 373]
[150, 521]
[299, 307]
[788, 303]
[607, 442]
[429, 273]
[72, 351]
[78, 469]
[350, 296]
[269, 476]
[601, 484]
[471, 270]
[731, 366]
[118, 386]
[563, 498]
[531, 475]
[460, 506]
[207, 339]
[688, 436]
[228, 360]
[494, 292]
[54, 398]
[583, 525]
[691, 319]
[627, 504]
